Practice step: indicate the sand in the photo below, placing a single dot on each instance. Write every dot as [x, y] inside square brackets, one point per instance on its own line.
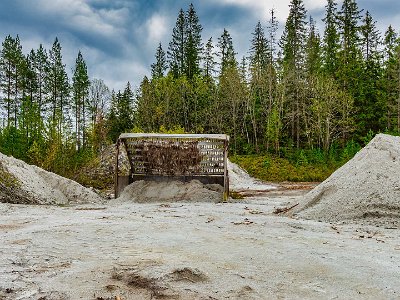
[366, 190]
[190, 251]
[171, 191]
[37, 186]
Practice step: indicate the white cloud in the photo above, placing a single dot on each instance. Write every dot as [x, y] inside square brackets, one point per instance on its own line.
[261, 9]
[78, 15]
[156, 28]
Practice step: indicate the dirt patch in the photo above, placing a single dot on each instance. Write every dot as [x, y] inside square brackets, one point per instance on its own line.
[366, 190]
[188, 274]
[132, 279]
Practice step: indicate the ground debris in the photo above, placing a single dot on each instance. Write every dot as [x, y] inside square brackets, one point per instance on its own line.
[281, 210]
[188, 274]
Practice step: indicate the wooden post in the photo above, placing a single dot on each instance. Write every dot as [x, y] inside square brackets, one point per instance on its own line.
[226, 175]
[116, 170]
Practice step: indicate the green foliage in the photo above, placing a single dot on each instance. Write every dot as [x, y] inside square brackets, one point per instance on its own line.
[300, 168]
[313, 105]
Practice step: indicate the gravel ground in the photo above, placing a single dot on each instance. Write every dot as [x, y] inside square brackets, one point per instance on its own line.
[236, 250]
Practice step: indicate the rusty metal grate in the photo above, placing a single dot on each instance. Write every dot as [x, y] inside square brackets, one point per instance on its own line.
[198, 156]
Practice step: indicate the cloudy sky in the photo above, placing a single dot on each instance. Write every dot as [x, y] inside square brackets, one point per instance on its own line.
[118, 38]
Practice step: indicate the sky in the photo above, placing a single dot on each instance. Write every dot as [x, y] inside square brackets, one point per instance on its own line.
[118, 38]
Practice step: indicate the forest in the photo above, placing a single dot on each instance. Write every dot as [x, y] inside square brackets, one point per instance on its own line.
[296, 101]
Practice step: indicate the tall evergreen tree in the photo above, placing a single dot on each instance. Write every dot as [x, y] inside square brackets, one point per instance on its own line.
[57, 87]
[226, 51]
[41, 67]
[293, 45]
[160, 66]
[370, 38]
[176, 48]
[12, 67]
[259, 62]
[80, 87]
[349, 29]
[313, 50]
[392, 79]
[193, 44]
[209, 61]
[331, 39]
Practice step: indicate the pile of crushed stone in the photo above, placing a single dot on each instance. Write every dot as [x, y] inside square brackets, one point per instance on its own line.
[22, 183]
[240, 180]
[366, 190]
[171, 191]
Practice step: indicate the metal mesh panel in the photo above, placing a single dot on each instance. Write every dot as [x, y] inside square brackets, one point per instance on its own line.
[176, 155]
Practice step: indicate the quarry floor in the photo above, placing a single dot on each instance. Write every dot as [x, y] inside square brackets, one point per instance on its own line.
[237, 250]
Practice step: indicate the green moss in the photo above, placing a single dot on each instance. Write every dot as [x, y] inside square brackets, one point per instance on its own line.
[7, 179]
[276, 169]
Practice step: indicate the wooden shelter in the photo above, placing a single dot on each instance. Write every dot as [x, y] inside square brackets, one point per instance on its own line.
[184, 157]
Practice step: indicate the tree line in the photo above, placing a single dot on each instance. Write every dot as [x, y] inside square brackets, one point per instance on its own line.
[302, 90]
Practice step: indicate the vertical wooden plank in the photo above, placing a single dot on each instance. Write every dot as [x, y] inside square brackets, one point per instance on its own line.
[226, 175]
[116, 170]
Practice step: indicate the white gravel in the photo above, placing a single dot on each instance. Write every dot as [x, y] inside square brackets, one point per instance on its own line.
[366, 190]
[240, 180]
[45, 187]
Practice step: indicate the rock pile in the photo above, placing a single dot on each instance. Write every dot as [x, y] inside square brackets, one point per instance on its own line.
[366, 190]
[26, 184]
[171, 191]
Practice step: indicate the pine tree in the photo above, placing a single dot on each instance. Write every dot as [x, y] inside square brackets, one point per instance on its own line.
[41, 67]
[193, 45]
[331, 39]
[259, 52]
[313, 50]
[160, 66]
[176, 49]
[226, 51]
[273, 126]
[209, 61]
[80, 87]
[370, 39]
[258, 105]
[392, 78]
[372, 109]
[349, 55]
[57, 88]
[293, 46]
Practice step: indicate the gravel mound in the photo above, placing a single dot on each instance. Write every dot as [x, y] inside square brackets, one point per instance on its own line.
[29, 184]
[240, 180]
[170, 191]
[366, 190]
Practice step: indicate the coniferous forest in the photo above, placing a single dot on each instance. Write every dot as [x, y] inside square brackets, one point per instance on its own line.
[309, 96]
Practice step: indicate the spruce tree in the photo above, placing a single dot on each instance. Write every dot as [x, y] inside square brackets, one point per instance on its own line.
[208, 59]
[80, 87]
[293, 63]
[331, 39]
[176, 48]
[193, 45]
[57, 88]
[226, 51]
[391, 78]
[160, 66]
[41, 67]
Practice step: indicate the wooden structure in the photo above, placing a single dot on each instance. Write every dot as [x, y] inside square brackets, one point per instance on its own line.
[182, 157]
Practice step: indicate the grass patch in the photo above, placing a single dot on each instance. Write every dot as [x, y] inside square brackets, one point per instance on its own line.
[276, 169]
